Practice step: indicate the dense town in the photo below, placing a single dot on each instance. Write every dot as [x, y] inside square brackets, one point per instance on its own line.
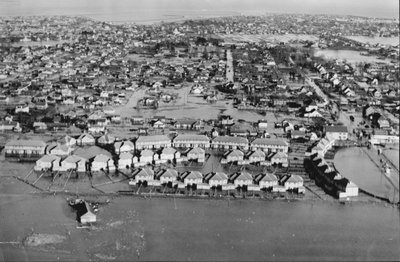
[199, 108]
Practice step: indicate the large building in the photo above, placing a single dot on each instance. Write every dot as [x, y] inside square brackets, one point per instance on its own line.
[270, 145]
[230, 143]
[152, 142]
[25, 149]
[336, 132]
[187, 141]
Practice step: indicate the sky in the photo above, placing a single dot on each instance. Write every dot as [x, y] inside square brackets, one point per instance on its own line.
[371, 8]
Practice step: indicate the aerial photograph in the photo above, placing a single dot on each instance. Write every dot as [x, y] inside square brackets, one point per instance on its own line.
[199, 130]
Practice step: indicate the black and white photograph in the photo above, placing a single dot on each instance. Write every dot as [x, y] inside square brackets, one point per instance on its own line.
[199, 130]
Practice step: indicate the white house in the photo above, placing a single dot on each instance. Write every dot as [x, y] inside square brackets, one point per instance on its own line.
[102, 162]
[125, 160]
[146, 157]
[123, 146]
[256, 156]
[242, 179]
[59, 149]
[267, 180]
[68, 140]
[48, 162]
[292, 182]
[280, 158]
[85, 139]
[216, 179]
[233, 156]
[22, 109]
[74, 162]
[336, 132]
[197, 153]
[192, 177]
[170, 154]
[145, 174]
[106, 139]
[168, 175]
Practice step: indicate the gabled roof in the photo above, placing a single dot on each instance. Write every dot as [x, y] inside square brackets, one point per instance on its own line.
[197, 150]
[336, 129]
[218, 176]
[269, 141]
[242, 176]
[146, 152]
[125, 155]
[231, 139]
[193, 175]
[27, 143]
[294, 179]
[85, 135]
[90, 152]
[169, 150]
[169, 173]
[155, 138]
[102, 158]
[280, 155]
[236, 153]
[119, 144]
[49, 158]
[106, 139]
[268, 177]
[257, 153]
[146, 172]
[74, 159]
[184, 138]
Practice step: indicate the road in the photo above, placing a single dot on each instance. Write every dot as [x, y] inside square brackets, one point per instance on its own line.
[229, 66]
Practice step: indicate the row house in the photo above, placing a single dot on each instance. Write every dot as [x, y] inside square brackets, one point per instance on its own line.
[190, 141]
[270, 145]
[230, 143]
[152, 142]
[33, 149]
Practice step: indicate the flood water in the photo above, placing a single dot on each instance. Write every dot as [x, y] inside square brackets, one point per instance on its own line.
[351, 56]
[181, 229]
[393, 41]
[188, 106]
[393, 154]
[354, 164]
